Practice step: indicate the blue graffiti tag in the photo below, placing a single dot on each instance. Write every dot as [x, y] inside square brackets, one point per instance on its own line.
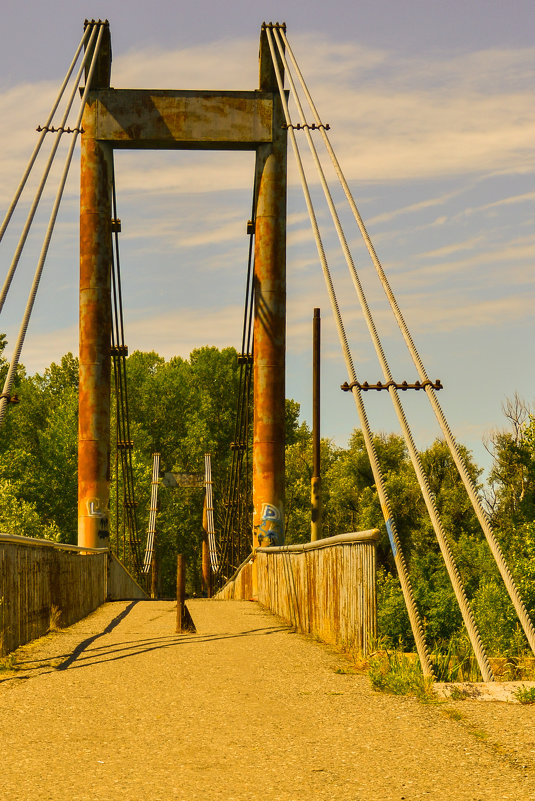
[270, 528]
[391, 536]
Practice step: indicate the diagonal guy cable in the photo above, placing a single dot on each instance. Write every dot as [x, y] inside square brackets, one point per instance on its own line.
[471, 490]
[40, 188]
[399, 559]
[427, 495]
[44, 132]
[4, 397]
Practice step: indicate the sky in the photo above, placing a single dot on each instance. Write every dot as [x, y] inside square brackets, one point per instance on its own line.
[433, 121]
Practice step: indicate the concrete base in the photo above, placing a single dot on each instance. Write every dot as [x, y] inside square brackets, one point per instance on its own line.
[482, 691]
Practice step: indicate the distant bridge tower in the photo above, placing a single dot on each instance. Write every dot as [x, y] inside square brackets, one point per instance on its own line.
[176, 119]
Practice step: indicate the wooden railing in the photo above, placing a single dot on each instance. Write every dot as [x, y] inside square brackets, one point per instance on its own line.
[45, 584]
[324, 588]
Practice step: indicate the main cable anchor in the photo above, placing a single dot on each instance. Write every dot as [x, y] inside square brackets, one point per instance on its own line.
[365, 386]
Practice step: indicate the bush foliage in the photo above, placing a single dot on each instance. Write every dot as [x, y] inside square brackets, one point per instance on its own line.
[183, 408]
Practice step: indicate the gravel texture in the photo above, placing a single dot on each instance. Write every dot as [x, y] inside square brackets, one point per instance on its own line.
[118, 707]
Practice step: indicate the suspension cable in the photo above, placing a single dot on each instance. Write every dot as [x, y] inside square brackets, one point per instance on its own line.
[462, 469]
[44, 131]
[399, 559]
[119, 351]
[152, 514]
[429, 500]
[44, 178]
[210, 529]
[236, 506]
[4, 398]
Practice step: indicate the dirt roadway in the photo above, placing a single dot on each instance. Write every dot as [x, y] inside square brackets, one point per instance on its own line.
[119, 707]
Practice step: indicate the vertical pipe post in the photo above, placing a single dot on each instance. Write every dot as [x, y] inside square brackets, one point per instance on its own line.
[269, 325]
[206, 567]
[180, 592]
[95, 323]
[154, 576]
[315, 483]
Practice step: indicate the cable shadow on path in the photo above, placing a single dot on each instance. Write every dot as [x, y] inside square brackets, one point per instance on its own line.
[139, 647]
[84, 655]
[86, 643]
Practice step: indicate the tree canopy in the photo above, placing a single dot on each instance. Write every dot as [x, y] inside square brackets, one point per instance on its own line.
[184, 408]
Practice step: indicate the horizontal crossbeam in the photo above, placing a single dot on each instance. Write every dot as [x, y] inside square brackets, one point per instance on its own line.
[180, 119]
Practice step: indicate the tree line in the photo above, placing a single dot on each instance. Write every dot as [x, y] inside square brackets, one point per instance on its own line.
[183, 408]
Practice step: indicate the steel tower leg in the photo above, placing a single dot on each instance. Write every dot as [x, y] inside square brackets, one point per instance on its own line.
[95, 333]
[95, 320]
[269, 327]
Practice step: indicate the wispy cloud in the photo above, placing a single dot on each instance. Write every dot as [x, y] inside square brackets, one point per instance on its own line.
[454, 312]
[400, 126]
[392, 118]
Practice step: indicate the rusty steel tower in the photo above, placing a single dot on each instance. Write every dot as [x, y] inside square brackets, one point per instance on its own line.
[170, 120]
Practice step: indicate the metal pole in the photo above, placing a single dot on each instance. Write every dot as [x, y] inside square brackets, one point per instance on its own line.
[315, 483]
[269, 325]
[154, 577]
[95, 322]
[180, 592]
[206, 568]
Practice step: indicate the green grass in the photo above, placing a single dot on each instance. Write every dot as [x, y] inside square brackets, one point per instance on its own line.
[525, 695]
[454, 714]
[453, 661]
[8, 663]
[396, 673]
[346, 671]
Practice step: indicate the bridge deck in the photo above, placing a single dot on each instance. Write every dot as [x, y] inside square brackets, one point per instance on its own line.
[119, 707]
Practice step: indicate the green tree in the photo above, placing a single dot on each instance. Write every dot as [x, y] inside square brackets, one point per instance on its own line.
[512, 477]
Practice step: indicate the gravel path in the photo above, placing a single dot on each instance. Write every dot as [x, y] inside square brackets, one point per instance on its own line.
[119, 707]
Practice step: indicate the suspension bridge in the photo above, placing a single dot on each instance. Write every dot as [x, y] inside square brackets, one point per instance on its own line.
[326, 587]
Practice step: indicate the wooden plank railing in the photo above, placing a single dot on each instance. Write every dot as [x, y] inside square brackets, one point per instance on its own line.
[324, 588]
[44, 584]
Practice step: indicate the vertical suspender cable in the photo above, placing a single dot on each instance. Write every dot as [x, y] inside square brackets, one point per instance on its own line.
[484, 521]
[44, 132]
[231, 554]
[151, 531]
[432, 510]
[37, 198]
[121, 385]
[4, 398]
[208, 485]
[412, 610]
